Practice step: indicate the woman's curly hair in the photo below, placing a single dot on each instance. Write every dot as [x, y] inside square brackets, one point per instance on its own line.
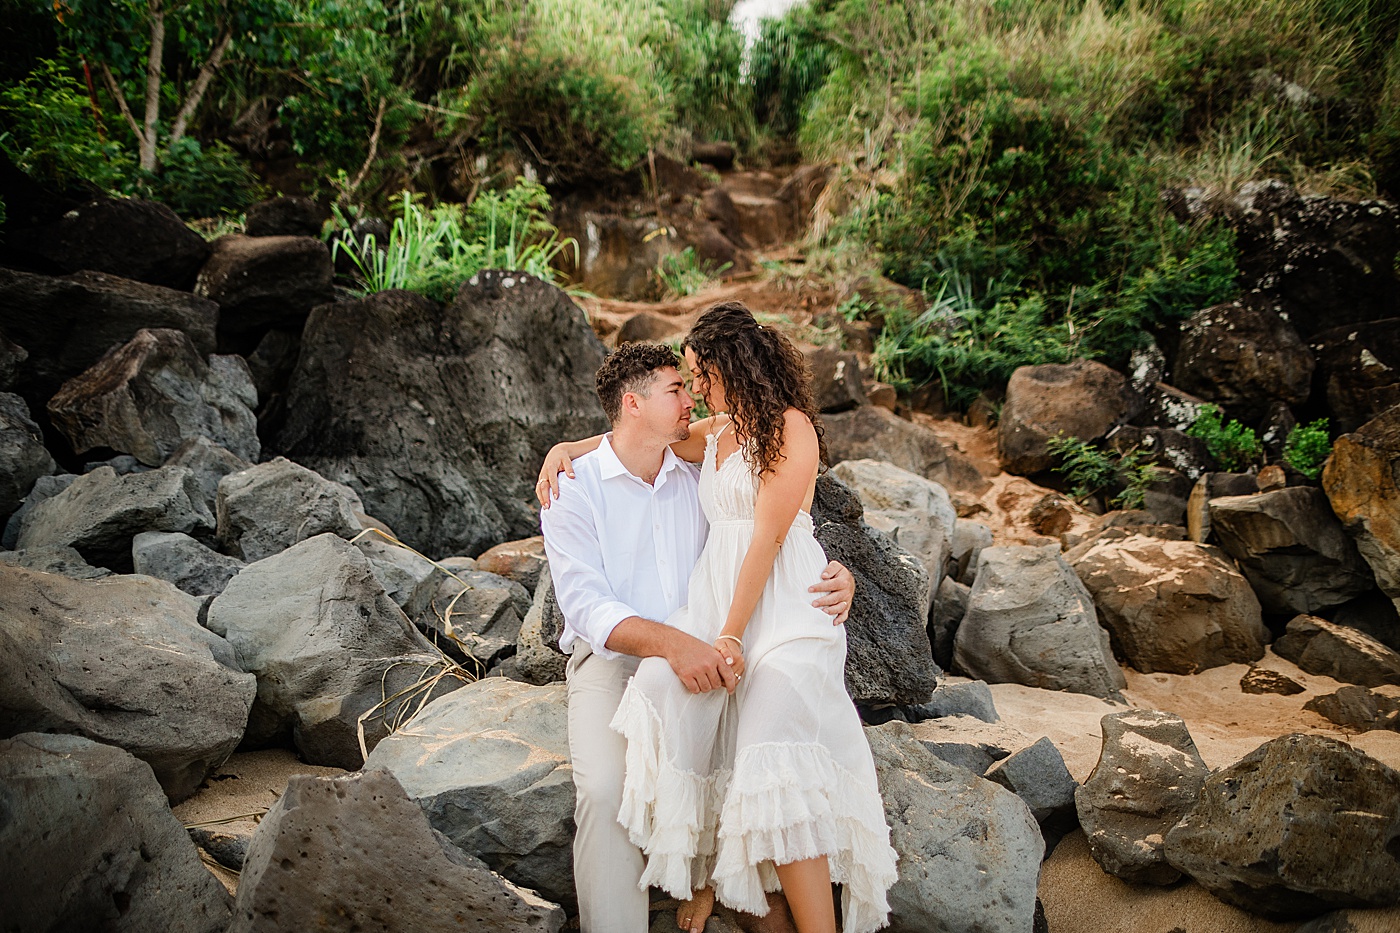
[762, 373]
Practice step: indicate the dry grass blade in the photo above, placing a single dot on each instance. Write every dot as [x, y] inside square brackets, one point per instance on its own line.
[255, 816]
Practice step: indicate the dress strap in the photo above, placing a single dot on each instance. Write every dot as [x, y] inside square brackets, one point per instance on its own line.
[715, 436]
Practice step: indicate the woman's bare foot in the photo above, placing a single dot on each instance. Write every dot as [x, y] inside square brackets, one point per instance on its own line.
[691, 915]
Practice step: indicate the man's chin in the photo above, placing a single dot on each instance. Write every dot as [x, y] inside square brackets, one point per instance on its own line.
[681, 433]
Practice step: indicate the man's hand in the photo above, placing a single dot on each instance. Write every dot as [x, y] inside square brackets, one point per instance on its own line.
[838, 589]
[700, 667]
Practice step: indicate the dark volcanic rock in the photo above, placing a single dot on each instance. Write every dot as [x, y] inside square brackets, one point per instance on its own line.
[1242, 357]
[870, 432]
[124, 661]
[1358, 708]
[286, 216]
[836, 383]
[1345, 654]
[23, 458]
[1082, 399]
[1301, 825]
[183, 561]
[1361, 482]
[264, 282]
[1358, 366]
[270, 507]
[1262, 680]
[476, 393]
[89, 843]
[55, 559]
[1374, 614]
[209, 463]
[12, 355]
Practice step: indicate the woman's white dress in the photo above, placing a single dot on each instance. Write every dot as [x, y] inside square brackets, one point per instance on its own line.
[720, 789]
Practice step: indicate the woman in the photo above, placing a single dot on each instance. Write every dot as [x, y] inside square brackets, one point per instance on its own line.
[774, 786]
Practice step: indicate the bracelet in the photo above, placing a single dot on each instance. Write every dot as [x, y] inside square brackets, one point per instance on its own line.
[734, 638]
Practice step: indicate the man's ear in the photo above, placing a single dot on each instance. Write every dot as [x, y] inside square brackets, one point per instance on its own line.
[630, 404]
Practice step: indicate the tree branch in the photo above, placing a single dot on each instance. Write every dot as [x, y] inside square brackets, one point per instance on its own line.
[373, 151]
[201, 84]
[116, 91]
[154, 63]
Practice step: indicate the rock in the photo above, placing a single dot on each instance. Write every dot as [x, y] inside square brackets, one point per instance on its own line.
[1030, 621]
[520, 561]
[1372, 613]
[969, 850]
[68, 323]
[229, 849]
[99, 513]
[409, 580]
[1349, 921]
[1356, 365]
[1358, 708]
[972, 699]
[1300, 825]
[45, 487]
[1082, 399]
[264, 282]
[1319, 647]
[1360, 482]
[12, 357]
[1171, 606]
[646, 327]
[873, 433]
[969, 538]
[969, 742]
[1259, 680]
[719, 154]
[1148, 776]
[480, 619]
[1291, 548]
[1242, 358]
[147, 397]
[949, 607]
[888, 656]
[537, 658]
[89, 843]
[311, 861]
[183, 561]
[836, 383]
[477, 393]
[23, 458]
[489, 765]
[917, 513]
[327, 654]
[1170, 408]
[1037, 774]
[141, 240]
[1212, 486]
[123, 661]
[285, 216]
[209, 462]
[270, 507]
[1166, 447]
[55, 559]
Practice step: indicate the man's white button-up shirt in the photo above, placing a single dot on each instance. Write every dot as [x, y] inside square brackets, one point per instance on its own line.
[621, 547]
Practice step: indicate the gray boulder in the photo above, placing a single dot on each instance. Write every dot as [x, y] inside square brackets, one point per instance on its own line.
[1030, 621]
[1300, 825]
[1037, 774]
[836, 382]
[538, 659]
[1082, 399]
[183, 561]
[489, 765]
[45, 487]
[476, 392]
[331, 651]
[122, 661]
[1242, 358]
[969, 538]
[1345, 654]
[949, 607]
[1213, 486]
[209, 462]
[286, 216]
[89, 843]
[874, 433]
[1357, 708]
[477, 613]
[1291, 548]
[149, 395]
[969, 742]
[100, 512]
[1360, 481]
[12, 356]
[264, 282]
[270, 507]
[888, 656]
[969, 850]
[1148, 776]
[957, 699]
[23, 458]
[55, 559]
[358, 846]
[1170, 606]
[408, 578]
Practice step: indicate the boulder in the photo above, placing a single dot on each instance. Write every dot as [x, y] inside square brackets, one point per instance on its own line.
[1301, 825]
[1358, 708]
[1242, 357]
[1030, 621]
[45, 487]
[1169, 408]
[1360, 481]
[870, 432]
[55, 559]
[1037, 774]
[141, 240]
[477, 393]
[888, 656]
[1260, 680]
[124, 661]
[836, 382]
[148, 396]
[646, 327]
[328, 647]
[537, 658]
[209, 462]
[285, 216]
[969, 742]
[183, 561]
[23, 458]
[1148, 776]
[89, 843]
[1372, 613]
[1319, 647]
[68, 323]
[969, 850]
[270, 507]
[949, 607]
[12, 357]
[1291, 548]
[1168, 448]
[264, 282]
[476, 613]
[489, 765]
[358, 845]
[100, 512]
[1081, 399]
[973, 698]
[1358, 368]
[1172, 606]
[409, 579]
[969, 538]
[1212, 486]
[521, 561]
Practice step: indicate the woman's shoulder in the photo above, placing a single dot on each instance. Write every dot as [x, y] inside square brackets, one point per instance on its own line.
[796, 418]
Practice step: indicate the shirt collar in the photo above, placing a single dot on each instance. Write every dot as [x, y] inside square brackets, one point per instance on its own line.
[609, 466]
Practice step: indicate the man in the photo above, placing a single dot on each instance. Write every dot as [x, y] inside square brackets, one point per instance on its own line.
[622, 538]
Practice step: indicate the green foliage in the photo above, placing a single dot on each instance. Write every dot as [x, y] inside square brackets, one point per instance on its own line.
[788, 64]
[684, 273]
[433, 250]
[201, 181]
[1307, 448]
[1232, 445]
[51, 132]
[1091, 470]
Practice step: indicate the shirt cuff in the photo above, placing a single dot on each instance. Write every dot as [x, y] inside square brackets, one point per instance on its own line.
[601, 622]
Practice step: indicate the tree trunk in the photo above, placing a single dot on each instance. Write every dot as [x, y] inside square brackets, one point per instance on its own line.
[148, 137]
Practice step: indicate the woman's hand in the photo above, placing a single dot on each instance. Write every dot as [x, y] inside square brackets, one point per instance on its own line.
[733, 653]
[555, 462]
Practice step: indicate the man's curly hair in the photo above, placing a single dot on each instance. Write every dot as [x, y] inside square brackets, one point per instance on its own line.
[762, 373]
[628, 369]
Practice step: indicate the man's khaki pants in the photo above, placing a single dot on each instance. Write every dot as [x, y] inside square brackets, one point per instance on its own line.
[607, 866]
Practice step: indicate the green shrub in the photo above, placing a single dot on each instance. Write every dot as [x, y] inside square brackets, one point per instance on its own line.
[1233, 446]
[684, 273]
[1307, 448]
[1091, 470]
[202, 181]
[52, 133]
